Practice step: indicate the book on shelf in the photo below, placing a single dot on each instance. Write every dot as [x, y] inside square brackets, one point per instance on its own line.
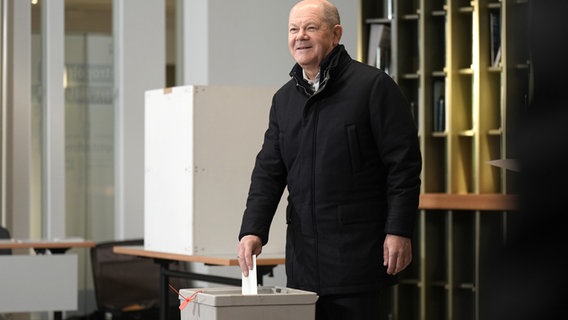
[497, 59]
[440, 115]
[439, 106]
[387, 9]
[379, 47]
[414, 112]
[495, 37]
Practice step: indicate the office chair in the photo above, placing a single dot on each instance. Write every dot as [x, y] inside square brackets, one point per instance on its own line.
[5, 234]
[126, 287]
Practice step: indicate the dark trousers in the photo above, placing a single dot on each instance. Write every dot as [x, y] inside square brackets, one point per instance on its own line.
[361, 306]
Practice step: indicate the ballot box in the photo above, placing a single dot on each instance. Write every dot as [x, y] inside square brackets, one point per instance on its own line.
[200, 145]
[274, 303]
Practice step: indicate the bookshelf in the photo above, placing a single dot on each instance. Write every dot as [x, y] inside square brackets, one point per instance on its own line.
[464, 65]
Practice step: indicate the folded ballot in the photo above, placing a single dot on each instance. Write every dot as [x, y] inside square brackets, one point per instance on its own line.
[250, 284]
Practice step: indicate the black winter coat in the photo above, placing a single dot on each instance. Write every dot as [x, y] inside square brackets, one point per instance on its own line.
[350, 158]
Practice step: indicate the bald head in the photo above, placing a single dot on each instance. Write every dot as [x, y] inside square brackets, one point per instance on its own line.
[329, 13]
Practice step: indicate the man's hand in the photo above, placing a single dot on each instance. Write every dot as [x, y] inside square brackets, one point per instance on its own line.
[248, 246]
[397, 253]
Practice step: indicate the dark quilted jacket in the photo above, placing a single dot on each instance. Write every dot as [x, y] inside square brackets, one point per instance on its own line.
[349, 156]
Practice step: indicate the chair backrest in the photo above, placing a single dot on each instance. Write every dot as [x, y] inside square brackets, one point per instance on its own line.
[5, 234]
[123, 282]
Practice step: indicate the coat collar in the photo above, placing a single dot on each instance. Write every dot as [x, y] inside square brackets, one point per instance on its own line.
[328, 68]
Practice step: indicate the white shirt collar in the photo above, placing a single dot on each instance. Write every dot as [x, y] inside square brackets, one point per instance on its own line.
[314, 83]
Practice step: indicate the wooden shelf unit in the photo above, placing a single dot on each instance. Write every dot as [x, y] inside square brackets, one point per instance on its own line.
[443, 49]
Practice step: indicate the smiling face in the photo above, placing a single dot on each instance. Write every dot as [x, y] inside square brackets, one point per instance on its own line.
[311, 36]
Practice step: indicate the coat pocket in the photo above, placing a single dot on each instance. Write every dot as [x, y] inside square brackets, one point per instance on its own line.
[353, 143]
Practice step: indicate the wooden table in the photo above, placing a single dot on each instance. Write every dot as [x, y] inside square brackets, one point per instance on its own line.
[42, 246]
[265, 264]
[48, 247]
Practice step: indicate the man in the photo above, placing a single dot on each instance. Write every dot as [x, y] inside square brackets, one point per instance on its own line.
[341, 138]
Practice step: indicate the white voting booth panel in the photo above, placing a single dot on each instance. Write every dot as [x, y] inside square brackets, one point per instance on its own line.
[200, 147]
[34, 283]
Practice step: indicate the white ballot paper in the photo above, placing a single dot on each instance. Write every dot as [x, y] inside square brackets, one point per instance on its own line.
[249, 284]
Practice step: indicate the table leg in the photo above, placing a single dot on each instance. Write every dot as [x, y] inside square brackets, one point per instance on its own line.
[261, 271]
[164, 281]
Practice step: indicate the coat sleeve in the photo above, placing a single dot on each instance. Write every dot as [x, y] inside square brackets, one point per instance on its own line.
[397, 139]
[268, 181]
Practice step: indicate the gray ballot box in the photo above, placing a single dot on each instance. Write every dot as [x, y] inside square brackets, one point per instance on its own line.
[224, 303]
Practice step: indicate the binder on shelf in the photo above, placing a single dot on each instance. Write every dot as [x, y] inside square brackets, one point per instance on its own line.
[495, 36]
[387, 8]
[379, 47]
[497, 59]
[439, 112]
[440, 115]
[414, 111]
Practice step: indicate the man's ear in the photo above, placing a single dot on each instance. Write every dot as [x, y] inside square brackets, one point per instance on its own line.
[337, 33]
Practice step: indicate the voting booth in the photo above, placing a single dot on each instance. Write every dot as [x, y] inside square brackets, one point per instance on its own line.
[200, 146]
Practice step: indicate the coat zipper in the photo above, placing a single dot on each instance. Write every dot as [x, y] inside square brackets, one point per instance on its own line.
[313, 186]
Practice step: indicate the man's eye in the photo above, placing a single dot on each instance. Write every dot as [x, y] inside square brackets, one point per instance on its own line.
[311, 28]
[293, 30]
